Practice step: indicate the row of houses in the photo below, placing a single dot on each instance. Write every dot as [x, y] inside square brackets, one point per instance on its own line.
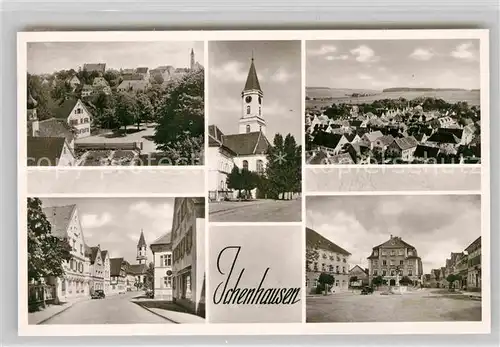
[465, 265]
[90, 268]
[391, 260]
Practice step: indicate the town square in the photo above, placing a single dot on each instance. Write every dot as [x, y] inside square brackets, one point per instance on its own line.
[88, 264]
[357, 271]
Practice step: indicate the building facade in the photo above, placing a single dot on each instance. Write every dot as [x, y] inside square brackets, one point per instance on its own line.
[77, 116]
[188, 254]
[325, 257]
[393, 260]
[163, 271]
[118, 275]
[96, 268]
[474, 265]
[361, 276]
[107, 271]
[65, 224]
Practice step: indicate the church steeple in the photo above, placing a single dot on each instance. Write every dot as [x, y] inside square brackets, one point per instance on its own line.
[142, 256]
[252, 119]
[192, 59]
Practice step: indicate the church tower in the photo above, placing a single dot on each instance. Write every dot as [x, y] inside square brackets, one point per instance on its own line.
[142, 256]
[192, 59]
[252, 118]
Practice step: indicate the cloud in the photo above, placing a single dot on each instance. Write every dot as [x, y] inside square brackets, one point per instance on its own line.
[337, 57]
[275, 108]
[363, 76]
[324, 49]
[282, 76]
[464, 51]
[231, 71]
[364, 54]
[90, 221]
[422, 54]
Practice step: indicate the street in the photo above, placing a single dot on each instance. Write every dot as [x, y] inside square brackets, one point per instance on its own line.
[418, 306]
[256, 211]
[115, 309]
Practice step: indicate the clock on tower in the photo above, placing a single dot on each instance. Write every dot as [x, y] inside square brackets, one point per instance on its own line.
[252, 119]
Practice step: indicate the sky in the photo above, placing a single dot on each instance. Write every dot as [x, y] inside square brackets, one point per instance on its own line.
[115, 223]
[379, 64]
[48, 57]
[279, 70]
[435, 225]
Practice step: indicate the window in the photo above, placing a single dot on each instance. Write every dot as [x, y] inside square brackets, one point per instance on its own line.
[384, 252]
[245, 164]
[330, 268]
[401, 262]
[307, 282]
[401, 252]
[410, 273]
[260, 110]
[374, 272]
[393, 253]
[384, 272]
[248, 128]
[260, 166]
[343, 269]
[410, 253]
[337, 269]
[384, 262]
[392, 262]
[168, 282]
[248, 109]
[323, 267]
[337, 283]
[168, 260]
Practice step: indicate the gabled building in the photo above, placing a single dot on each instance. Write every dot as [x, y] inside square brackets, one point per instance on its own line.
[403, 148]
[474, 265]
[329, 258]
[222, 156]
[100, 68]
[163, 271]
[133, 86]
[96, 268]
[361, 275]
[144, 72]
[73, 82]
[118, 272]
[188, 254]
[49, 151]
[65, 224]
[107, 271]
[76, 115]
[87, 90]
[394, 259]
[101, 85]
[369, 139]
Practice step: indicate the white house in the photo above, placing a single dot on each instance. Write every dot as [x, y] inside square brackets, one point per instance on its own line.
[73, 81]
[77, 115]
[65, 223]
[163, 273]
[100, 84]
[222, 158]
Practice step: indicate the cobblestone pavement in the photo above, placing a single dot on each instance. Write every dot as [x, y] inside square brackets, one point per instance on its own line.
[418, 306]
[256, 211]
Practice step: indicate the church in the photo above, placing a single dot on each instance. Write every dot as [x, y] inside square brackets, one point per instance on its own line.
[136, 273]
[246, 149]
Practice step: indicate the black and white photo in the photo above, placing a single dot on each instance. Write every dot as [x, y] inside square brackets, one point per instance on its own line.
[409, 258]
[254, 154]
[115, 103]
[393, 102]
[116, 261]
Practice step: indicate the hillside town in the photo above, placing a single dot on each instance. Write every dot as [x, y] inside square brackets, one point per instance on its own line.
[394, 270]
[64, 269]
[93, 115]
[419, 131]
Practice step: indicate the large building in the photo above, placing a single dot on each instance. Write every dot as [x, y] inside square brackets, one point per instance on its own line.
[393, 260]
[247, 149]
[163, 273]
[325, 257]
[188, 250]
[474, 265]
[118, 272]
[136, 273]
[65, 224]
[97, 266]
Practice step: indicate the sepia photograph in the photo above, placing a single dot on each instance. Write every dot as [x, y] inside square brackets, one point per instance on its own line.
[115, 103]
[393, 102]
[408, 258]
[116, 261]
[255, 141]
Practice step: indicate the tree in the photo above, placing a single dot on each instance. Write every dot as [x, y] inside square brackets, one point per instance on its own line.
[405, 281]
[144, 110]
[104, 111]
[150, 275]
[276, 167]
[234, 180]
[378, 281]
[181, 113]
[248, 181]
[46, 252]
[41, 93]
[126, 110]
[325, 280]
[158, 79]
[451, 279]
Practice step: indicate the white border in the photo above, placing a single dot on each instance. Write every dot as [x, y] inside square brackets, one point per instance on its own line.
[255, 329]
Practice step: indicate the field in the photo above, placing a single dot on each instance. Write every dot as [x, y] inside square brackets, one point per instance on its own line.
[337, 96]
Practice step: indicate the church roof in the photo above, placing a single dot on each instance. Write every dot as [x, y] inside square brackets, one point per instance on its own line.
[252, 82]
[248, 143]
[142, 242]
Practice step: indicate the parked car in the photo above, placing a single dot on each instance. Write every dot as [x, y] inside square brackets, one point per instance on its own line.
[98, 294]
[367, 290]
[149, 294]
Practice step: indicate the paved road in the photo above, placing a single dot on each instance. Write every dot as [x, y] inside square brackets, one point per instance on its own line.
[116, 309]
[420, 306]
[256, 211]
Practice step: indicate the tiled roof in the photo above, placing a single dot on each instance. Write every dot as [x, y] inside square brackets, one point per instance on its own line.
[252, 82]
[394, 242]
[132, 77]
[327, 139]
[374, 135]
[137, 269]
[314, 239]
[104, 254]
[359, 268]
[44, 151]
[350, 137]
[141, 70]
[246, 144]
[59, 218]
[65, 108]
[356, 123]
[386, 140]
[164, 239]
[426, 152]
[215, 133]
[93, 254]
[115, 265]
[54, 127]
[406, 142]
[455, 131]
[443, 137]
[133, 85]
[94, 67]
[343, 158]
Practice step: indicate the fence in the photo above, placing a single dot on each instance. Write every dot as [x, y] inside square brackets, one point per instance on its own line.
[39, 295]
[110, 145]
